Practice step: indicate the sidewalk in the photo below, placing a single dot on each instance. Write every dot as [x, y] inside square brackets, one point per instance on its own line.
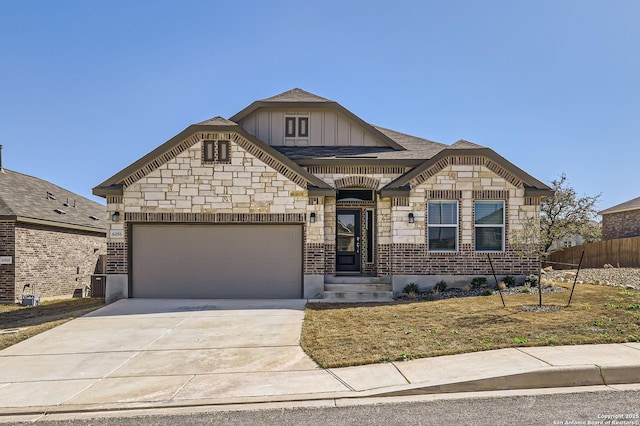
[144, 371]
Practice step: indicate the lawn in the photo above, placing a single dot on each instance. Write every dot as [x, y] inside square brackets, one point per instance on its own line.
[339, 335]
[18, 323]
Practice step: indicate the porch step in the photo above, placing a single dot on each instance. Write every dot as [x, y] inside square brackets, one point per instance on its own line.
[357, 289]
[357, 296]
[353, 279]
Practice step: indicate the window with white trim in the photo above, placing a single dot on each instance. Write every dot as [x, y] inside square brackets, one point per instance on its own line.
[489, 225]
[442, 225]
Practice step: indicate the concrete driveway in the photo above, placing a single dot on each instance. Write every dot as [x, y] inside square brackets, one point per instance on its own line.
[165, 352]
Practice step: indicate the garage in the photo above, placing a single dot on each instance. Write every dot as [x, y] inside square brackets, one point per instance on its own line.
[238, 261]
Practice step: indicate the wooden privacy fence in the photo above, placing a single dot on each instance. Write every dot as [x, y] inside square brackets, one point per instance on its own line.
[621, 252]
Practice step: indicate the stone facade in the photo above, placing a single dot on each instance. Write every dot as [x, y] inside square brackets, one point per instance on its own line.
[58, 261]
[188, 189]
[621, 225]
[267, 177]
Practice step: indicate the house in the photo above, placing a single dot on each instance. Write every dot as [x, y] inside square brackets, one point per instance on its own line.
[296, 196]
[578, 239]
[50, 238]
[622, 220]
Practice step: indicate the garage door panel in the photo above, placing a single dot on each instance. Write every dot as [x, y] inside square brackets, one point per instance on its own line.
[217, 261]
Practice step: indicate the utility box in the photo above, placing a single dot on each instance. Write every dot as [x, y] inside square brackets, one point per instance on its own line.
[98, 285]
[30, 300]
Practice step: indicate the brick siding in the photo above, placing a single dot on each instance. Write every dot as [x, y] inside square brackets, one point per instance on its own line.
[621, 225]
[414, 259]
[57, 260]
[7, 272]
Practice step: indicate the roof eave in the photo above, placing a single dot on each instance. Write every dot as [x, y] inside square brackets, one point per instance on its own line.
[402, 191]
[321, 192]
[537, 192]
[104, 191]
[35, 221]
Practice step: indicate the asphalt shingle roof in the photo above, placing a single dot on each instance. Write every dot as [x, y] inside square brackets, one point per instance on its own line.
[627, 205]
[30, 197]
[296, 95]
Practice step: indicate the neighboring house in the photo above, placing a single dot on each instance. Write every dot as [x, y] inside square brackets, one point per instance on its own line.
[295, 193]
[50, 238]
[622, 220]
[572, 240]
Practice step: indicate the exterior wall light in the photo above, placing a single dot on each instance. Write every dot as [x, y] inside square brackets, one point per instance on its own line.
[115, 216]
[412, 219]
[312, 218]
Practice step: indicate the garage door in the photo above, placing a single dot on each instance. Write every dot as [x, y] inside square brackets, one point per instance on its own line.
[216, 261]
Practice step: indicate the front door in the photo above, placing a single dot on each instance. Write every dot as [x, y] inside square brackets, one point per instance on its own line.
[348, 241]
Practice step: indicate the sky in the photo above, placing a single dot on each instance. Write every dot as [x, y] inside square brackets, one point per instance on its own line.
[87, 87]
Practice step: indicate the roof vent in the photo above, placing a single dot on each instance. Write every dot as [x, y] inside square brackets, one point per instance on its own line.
[59, 211]
[92, 217]
[66, 203]
[50, 196]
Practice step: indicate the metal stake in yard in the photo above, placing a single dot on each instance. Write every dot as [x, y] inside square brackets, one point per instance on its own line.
[575, 279]
[496, 278]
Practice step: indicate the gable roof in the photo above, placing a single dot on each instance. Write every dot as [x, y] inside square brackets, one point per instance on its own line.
[182, 141]
[298, 98]
[26, 198]
[623, 207]
[498, 164]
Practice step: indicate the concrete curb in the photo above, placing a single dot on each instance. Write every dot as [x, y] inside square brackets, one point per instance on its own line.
[553, 377]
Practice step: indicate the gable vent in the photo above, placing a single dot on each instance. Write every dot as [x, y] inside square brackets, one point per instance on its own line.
[59, 211]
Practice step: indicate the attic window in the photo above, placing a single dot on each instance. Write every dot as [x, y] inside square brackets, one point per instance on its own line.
[296, 126]
[216, 152]
[59, 211]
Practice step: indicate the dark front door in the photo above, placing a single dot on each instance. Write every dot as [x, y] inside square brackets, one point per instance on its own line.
[348, 241]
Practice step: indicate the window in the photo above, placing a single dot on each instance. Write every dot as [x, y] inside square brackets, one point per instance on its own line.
[303, 127]
[567, 244]
[209, 151]
[216, 152]
[489, 225]
[290, 127]
[223, 151]
[296, 127]
[442, 221]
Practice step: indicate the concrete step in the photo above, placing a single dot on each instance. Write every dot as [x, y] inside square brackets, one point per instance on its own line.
[355, 279]
[357, 287]
[357, 296]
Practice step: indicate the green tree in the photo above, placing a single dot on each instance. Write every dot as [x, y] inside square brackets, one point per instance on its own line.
[565, 214]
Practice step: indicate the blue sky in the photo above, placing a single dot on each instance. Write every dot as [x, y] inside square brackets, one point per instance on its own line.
[88, 87]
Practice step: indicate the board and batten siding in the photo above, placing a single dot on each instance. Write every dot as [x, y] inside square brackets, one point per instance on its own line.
[326, 128]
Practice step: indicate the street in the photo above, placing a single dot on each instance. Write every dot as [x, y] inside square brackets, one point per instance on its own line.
[582, 408]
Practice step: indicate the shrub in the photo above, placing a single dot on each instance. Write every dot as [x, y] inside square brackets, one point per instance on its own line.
[411, 289]
[531, 280]
[478, 282]
[440, 286]
[486, 292]
[509, 280]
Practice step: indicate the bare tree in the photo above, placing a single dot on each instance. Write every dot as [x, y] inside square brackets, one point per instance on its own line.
[565, 214]
[562, 215]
